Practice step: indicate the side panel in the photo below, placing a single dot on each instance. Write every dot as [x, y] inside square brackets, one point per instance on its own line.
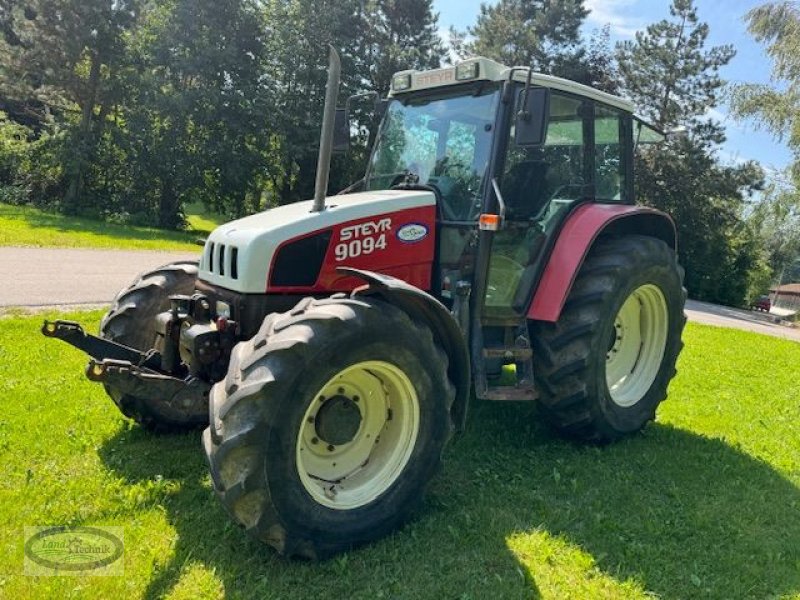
[577, 235]
[399, 243]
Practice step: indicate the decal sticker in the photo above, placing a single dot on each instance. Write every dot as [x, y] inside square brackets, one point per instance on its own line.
[411, 233]
[362, 238]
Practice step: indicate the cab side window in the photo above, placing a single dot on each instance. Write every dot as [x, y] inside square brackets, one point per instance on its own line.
[534, 177]
[609, 160]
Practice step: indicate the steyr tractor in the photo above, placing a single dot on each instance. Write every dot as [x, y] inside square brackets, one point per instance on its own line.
[332, 346]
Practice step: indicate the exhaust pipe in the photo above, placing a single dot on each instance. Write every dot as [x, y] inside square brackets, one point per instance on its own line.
[326, 135]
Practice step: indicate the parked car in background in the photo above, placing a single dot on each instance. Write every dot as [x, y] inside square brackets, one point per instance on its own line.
[762, 303]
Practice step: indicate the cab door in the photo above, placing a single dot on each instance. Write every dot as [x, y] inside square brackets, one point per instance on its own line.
[539, 185]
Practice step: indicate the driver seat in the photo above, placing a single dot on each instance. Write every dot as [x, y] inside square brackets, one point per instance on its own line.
[524, 189]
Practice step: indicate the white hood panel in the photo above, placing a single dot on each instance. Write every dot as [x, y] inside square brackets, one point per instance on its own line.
[257, 237]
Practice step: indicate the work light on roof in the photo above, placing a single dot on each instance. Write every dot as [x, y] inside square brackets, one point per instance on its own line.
[401, 82]
[467, 70]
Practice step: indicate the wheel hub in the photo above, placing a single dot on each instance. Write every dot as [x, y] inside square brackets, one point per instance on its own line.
[636, 345]
[357, 434]
[338, 420]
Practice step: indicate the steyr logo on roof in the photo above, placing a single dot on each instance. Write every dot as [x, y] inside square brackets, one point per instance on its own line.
[411, 233]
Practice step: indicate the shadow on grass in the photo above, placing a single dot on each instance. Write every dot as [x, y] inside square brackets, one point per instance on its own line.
[679, 514]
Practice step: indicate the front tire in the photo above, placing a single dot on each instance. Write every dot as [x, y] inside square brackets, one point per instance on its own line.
[131, 321]
[604, 366]
[329, 425]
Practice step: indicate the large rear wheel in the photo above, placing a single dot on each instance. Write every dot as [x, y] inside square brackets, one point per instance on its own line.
[329, 425]
[131, 321]
[604, 366]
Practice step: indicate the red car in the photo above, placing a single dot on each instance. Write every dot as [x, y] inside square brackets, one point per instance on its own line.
[762, 303]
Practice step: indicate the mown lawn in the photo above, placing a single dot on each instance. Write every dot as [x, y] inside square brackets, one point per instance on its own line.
[26, 226]
[705, 503]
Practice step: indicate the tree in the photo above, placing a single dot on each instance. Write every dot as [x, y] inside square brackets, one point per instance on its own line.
[720, 252]
[592, 64]
[776, 24]
[394, 35]
[668, 72]
[525, 32]
[776, 219]
[63, 54]
[400, 34]
[673, 79]
[197, 116]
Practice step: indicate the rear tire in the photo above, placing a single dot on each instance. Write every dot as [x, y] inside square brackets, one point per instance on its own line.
[280, 431]
[131, 321]
[604, 367]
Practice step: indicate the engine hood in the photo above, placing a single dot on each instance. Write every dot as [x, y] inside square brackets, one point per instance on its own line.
[238, 255]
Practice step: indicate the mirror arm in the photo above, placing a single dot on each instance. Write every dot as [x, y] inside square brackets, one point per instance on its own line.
[500, 202]
[524, 114]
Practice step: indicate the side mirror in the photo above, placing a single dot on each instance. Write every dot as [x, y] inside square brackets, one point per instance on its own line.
[341, 131]
[531, 122]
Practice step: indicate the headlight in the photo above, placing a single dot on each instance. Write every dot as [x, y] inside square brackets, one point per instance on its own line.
[223, 309]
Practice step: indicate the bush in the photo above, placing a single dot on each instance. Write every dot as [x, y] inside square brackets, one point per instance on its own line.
[12, 194]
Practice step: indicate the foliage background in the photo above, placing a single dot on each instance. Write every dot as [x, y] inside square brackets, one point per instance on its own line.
[128, 111]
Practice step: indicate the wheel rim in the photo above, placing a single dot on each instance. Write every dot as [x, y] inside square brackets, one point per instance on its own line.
[637, 345]
[357, 435]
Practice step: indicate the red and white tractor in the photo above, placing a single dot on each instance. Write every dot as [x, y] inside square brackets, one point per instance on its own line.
[332, 346]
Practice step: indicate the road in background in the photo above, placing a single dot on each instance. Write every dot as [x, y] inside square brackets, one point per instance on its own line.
[45, 277]
[39, 277]
[735, 318]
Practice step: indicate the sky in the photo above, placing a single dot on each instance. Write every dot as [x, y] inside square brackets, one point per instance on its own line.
[726, 23]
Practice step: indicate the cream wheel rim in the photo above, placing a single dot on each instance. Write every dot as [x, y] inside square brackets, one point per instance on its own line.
[637, 345]
[357, 435]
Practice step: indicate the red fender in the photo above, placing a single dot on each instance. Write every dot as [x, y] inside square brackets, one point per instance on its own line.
[577, 235]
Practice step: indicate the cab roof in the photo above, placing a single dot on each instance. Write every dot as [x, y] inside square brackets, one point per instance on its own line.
[485, 69]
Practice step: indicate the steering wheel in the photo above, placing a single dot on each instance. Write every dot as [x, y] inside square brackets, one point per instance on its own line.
[566, 186]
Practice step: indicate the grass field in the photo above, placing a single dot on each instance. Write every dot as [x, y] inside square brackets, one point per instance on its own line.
[705, 503]
[26, 226]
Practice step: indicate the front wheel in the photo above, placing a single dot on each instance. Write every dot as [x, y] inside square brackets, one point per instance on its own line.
[132, 321]
[329, 425]
[604, 366]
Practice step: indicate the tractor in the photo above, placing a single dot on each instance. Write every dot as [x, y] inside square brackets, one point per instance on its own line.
[331, 347]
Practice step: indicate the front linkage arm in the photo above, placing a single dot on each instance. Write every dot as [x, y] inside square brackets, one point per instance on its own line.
[134, 373]
[99, 348]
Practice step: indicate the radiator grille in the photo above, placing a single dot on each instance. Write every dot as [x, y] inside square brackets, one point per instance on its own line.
[221, 259]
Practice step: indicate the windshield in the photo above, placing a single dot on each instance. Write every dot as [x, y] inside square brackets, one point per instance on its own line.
[441, 141]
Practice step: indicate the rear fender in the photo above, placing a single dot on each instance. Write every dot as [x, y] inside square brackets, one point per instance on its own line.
[576, 238]
[421, 306]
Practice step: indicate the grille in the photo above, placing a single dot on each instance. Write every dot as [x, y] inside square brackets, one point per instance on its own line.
[221, 259]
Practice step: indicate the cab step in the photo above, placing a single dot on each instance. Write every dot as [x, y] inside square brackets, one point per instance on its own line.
[516, 349]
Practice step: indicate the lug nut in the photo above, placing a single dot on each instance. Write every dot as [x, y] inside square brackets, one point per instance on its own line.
[314, 440]
[331, 447]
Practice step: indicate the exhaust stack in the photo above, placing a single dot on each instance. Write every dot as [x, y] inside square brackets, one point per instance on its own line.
[326, 135]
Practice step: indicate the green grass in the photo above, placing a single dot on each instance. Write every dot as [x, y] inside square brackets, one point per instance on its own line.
[26, 226]
[704, 503]
[199, 219]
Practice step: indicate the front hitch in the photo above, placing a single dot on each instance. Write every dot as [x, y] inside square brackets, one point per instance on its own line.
[176, 398]
[97, 347]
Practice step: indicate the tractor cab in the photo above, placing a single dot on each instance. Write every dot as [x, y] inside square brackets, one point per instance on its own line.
[509, 155]
[454, 131]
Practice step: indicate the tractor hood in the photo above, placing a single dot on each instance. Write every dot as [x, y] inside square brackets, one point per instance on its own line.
[240, 255]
